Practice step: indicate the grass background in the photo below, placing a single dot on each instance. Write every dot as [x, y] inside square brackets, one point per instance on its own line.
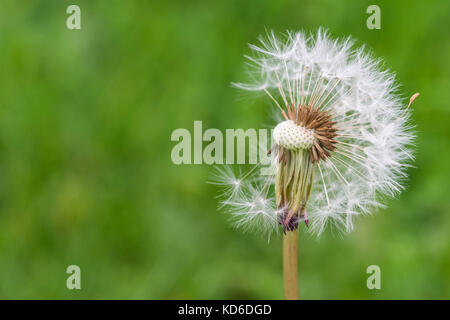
[85, 170]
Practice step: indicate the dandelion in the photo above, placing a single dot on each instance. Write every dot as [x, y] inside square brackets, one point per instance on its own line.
[344, 140]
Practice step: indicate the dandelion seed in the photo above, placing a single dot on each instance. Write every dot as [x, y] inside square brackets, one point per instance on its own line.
[344, 137]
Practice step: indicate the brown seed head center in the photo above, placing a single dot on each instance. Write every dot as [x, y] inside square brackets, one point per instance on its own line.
[325, 131]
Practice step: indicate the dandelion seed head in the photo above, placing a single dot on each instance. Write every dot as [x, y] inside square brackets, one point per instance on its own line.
[343, 144]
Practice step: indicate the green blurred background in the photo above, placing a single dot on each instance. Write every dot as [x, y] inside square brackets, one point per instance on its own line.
[86, 176]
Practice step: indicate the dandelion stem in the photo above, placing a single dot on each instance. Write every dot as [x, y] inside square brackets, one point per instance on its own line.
[290, 269]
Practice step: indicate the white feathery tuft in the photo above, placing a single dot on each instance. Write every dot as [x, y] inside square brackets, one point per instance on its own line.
[374, 141]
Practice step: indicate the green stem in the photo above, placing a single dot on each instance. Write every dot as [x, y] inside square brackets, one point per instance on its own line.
[290, 265]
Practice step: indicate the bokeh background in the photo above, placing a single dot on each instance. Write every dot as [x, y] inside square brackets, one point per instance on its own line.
[86, 176]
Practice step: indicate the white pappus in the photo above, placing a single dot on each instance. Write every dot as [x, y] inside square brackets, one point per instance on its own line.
[344, 142]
